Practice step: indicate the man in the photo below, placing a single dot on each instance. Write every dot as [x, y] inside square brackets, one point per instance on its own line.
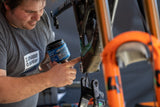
[25, 31]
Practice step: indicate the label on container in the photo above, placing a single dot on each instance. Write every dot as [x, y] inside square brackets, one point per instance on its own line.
[59, 54]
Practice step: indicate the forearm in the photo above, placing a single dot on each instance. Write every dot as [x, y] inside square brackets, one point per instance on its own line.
[14, 89]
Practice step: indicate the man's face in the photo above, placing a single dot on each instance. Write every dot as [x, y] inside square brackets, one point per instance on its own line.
[26, 15]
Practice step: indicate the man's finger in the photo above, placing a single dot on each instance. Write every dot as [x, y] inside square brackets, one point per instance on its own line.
[72, 62]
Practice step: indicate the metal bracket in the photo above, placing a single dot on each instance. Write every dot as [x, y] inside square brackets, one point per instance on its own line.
[93, 92]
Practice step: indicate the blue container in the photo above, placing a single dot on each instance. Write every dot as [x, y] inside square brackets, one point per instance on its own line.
[58, 51]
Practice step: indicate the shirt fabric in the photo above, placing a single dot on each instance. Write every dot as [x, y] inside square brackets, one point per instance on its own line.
[21, 51]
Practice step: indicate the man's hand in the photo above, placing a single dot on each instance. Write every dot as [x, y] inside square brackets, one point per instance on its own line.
[63, 74]
[45, 64]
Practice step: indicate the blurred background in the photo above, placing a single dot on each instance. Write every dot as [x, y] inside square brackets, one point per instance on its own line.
[137, 78]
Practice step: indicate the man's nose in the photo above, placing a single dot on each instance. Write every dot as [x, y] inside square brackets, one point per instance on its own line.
[37, 16]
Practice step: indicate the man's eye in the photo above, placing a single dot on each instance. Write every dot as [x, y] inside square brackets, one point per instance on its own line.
[29, 12]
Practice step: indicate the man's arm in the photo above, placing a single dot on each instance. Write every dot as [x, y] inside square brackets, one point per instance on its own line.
[14, 89]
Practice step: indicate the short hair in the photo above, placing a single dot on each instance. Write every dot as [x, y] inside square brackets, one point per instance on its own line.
[11, 3]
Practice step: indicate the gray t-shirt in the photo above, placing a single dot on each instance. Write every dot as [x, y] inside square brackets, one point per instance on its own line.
[21, 52]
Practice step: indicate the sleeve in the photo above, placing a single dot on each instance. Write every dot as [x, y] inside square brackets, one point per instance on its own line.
[3, 53]
[51, 35]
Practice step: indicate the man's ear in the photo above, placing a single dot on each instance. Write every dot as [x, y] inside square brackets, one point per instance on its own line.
[6, 6]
